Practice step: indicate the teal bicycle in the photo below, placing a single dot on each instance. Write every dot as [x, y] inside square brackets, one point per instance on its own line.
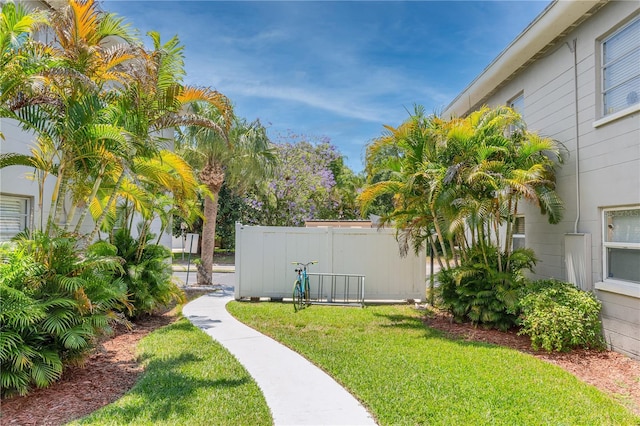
[301, 286]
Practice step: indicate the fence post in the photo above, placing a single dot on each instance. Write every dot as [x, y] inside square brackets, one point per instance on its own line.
[238, 261]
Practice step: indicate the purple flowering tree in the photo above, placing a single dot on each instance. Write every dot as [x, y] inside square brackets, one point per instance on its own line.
[304, 186]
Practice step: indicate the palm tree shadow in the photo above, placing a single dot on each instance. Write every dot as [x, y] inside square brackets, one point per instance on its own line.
[409, 322]
[174, 397]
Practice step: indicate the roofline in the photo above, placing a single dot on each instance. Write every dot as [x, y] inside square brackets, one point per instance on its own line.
[553, 22]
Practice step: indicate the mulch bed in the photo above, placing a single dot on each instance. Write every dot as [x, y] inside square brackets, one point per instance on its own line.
[107, 375]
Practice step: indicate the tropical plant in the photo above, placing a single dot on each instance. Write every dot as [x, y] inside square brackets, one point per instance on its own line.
[18, 55]
[240, 157]
[479, 292]
[66, 108]
[456, 186]
[146, 273]
[103, 107]
[54, 302]
[456, 183]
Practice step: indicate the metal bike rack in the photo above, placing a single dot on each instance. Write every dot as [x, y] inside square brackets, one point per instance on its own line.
[336, 289]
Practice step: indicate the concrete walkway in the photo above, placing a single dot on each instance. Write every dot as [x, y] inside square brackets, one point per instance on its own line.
[296, 391]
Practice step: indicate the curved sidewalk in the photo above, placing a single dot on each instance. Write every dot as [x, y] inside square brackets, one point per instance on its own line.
[296, 391]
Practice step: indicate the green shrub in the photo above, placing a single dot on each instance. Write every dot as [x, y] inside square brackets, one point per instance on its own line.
[480, 292]
[147, 274]
[54, 303]
[559, 317]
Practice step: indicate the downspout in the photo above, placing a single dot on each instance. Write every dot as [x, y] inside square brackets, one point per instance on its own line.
[574, 50]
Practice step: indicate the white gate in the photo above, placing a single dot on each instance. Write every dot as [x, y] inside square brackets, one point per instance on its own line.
[264, 255]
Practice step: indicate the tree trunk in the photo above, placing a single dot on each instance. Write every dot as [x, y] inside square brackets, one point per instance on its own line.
[208, 236]
[211, 175]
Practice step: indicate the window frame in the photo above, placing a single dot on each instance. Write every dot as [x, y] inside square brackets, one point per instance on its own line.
[614, 114]
[617, 245]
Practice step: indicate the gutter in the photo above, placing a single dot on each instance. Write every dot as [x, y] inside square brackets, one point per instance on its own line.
[574, 50]
[555, 21]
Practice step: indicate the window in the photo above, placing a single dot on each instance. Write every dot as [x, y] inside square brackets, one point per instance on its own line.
[517, 104]
[15, 215]
[518, 233]
[621, 69]
[621, 257]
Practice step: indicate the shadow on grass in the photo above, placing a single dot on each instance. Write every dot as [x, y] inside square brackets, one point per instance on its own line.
[409, 322]
[402, 321]
[165, 391]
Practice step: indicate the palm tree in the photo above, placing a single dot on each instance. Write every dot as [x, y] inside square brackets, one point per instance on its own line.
[450, 177]
[153, 102]
[65, 106]
[241, 159]
[416, 179]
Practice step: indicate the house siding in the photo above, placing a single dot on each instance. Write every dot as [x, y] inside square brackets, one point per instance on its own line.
[609, 160]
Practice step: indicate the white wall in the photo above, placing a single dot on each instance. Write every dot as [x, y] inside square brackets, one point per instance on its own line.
[608, 156]
[264, 255]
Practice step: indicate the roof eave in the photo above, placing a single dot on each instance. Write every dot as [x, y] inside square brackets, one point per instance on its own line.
[553, 22]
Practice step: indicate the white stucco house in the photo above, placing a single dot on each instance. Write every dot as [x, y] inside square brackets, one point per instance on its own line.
[574, 74]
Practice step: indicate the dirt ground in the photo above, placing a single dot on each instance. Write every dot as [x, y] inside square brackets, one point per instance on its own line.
[112, 370]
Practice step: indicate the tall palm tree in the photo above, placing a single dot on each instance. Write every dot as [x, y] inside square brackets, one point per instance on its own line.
[101, 105]
[155, 101]
[241, 159]
[65, 105]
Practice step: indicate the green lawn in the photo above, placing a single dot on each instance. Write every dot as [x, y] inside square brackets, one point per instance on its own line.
[406, 373]
[189, 380]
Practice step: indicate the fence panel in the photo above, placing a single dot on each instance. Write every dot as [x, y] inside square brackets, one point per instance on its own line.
[264, 255]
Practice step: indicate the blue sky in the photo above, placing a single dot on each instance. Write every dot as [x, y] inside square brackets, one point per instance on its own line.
[341, 69]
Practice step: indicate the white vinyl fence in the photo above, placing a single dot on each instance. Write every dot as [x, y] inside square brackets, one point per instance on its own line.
[264, 255]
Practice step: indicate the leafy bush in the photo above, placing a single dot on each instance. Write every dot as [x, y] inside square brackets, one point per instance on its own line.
[558, 316]
[480, 292]
[147, 274]
[54, 303]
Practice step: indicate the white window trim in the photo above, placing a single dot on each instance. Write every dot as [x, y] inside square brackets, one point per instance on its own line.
[619, 287]
[611, 284]
[616, 115]
[607, 118]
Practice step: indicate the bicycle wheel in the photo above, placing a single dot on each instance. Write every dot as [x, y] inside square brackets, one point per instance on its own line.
[307, 291]
[298, 297]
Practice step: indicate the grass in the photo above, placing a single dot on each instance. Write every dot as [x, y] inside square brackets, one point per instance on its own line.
[189, 380]
[407, 374]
